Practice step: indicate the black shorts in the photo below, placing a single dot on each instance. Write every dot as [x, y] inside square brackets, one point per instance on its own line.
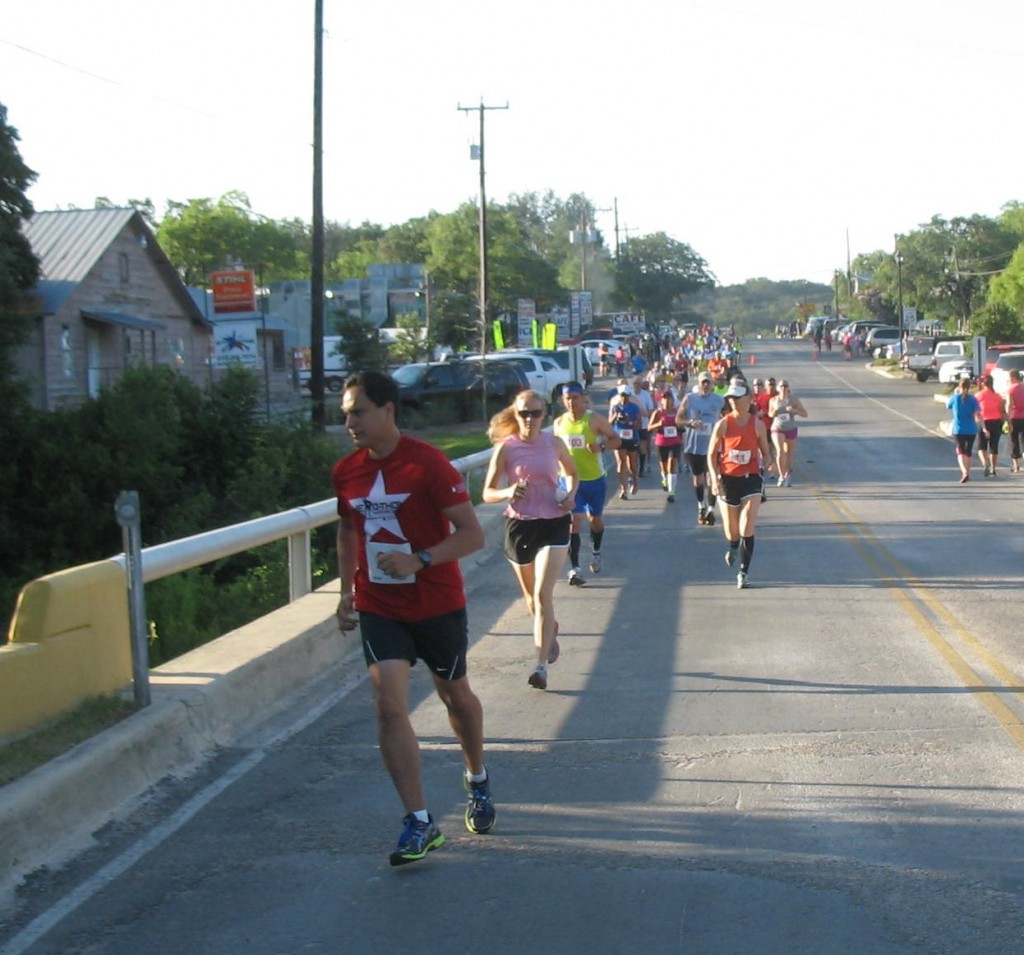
[988, 440]
[440, 642]
[523, 539]
[738, 489]
[698, 463]
[669, 452]
[965, 444]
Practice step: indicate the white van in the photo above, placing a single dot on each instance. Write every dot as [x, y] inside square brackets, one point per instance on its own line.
[335, 370]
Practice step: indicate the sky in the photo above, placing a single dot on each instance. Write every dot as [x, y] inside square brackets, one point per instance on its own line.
[772, 136]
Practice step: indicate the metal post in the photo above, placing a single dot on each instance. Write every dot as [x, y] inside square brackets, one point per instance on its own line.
[129, 516]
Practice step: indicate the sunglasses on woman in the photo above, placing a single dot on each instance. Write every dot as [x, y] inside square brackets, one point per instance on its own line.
[530, 412]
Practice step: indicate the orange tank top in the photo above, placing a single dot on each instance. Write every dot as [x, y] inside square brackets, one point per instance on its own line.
[739, 447]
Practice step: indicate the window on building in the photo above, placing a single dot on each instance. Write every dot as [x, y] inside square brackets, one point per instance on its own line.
[123, 269]
[67, 353]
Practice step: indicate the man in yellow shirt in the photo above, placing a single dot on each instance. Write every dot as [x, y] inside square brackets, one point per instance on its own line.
[586, 434]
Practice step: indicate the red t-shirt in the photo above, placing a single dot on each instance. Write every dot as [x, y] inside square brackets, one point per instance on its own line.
[991, 404]
[1016, 396]
[397, 503]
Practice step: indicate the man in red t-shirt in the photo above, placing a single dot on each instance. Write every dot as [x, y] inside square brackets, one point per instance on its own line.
[398, 502]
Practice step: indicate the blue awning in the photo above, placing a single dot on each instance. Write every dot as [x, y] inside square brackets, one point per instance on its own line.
[118, 318]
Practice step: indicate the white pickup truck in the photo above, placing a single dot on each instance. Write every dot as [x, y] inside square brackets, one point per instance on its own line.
[545, 374]
[925, 363]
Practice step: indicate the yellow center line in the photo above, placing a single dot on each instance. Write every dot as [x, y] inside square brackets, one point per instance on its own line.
[909, 591]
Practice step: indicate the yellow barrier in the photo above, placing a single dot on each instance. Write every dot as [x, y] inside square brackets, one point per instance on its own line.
[69, 640]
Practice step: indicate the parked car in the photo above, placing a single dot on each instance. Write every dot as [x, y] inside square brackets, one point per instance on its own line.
[952, 371]
[592, 347]
[863, 326]
[878, 337]
[335, 367]
[894, 350]
[993, 352]
[1008, 361]
[563, 355]
[925, 361]
[543, 371]
[462, 382]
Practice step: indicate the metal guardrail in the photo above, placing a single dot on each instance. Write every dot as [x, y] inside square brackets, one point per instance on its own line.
[295, 525]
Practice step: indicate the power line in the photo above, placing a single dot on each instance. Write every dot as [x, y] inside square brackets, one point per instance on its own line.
[105, 79]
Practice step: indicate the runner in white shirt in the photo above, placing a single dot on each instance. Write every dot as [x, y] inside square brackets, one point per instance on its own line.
[642, 396]
[698, 414]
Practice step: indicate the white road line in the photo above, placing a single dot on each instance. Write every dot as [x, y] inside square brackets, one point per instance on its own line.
[881, 404]
[42, 924]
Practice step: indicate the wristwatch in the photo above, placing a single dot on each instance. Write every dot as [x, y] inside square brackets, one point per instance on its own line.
[424, 556]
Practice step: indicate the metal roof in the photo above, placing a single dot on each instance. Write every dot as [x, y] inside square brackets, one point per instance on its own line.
[69, 243]
[119, 318]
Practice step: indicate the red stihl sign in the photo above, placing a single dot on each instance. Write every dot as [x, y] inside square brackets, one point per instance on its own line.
[234, 291]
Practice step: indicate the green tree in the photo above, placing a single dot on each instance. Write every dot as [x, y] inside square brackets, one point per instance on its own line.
[514, 270]
[361, 344]
[19, 267]
[654, 271]
[202, 236]
[1006, 290]
[998, 322]
[411, 343]
[550, 225]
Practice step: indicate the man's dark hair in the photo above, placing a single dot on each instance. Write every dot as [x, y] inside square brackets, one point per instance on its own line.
[377, 386]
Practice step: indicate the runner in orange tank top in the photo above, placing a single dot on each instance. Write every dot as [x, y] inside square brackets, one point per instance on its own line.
[739, 446]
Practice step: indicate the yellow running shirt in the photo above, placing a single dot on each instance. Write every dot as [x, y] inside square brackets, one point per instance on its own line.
[578, 437]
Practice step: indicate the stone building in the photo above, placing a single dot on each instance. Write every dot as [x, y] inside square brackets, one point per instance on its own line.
[108, 299]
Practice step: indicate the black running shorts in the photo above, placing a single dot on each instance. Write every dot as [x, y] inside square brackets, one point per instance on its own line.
[440, 642]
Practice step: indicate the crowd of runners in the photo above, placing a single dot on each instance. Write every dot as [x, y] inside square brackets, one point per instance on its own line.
[406, 518]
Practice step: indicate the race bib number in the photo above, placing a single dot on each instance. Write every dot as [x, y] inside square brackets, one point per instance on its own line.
[373, 550]
[669, 432]
[739, 456]
[626, 434]
[703, 427]
[577, 442]
[783, 417]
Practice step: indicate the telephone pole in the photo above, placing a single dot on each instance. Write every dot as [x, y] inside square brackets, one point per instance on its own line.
[316, 329]
[483, 221]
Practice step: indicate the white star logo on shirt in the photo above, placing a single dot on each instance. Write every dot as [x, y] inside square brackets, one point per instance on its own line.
[380, 509]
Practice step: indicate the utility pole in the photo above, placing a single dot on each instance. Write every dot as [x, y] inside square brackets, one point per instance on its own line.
[316, 325]
[584, 239]
[483, 243]
[615, 204]
[899, 284]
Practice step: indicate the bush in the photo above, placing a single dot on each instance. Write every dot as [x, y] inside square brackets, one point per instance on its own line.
[199, 460]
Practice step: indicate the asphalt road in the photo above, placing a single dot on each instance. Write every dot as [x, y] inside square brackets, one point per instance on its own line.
[830, 761]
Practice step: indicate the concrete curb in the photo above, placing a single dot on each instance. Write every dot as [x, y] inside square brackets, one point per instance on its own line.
[201, 700]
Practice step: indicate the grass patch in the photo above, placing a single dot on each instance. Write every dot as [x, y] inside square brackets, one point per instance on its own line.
[20, 756]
